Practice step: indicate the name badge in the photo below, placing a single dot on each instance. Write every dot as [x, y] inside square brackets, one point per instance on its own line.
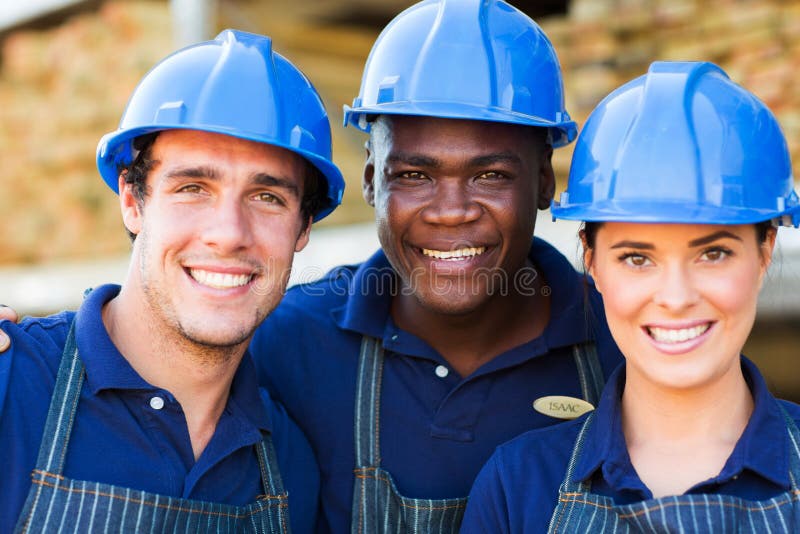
[562, 407]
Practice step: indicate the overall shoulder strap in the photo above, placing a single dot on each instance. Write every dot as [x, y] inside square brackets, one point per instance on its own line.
[568, 485]
[268, 462]
[590, 372]
[794, 448]
[368, 403]
[63, 405]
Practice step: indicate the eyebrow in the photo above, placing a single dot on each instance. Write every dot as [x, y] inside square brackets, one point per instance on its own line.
[713, 237]
[415, 160]
[634, 244]
[193, 172]
[211, 173]
[700, 241]
[269, 180]
[419, 160]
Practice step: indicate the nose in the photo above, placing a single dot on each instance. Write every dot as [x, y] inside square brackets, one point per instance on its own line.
[677, 289]
[227, 227]
[451, 204]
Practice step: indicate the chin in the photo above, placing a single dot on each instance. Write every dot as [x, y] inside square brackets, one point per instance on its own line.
[221, 338]
[450, 304]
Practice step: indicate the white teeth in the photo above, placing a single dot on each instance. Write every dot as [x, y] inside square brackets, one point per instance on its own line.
[219, 280]
[454, 254]
[676, 335]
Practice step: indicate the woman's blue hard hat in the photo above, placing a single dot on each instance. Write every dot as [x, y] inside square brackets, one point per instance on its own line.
[681, 144]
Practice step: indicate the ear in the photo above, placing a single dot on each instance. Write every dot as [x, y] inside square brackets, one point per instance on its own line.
[547, 178]
[588, 259]
[302, 239]
[368, 180]
[767, 250]
[131, 214]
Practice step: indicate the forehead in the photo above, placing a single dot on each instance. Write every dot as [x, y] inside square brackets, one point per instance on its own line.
[184, 147]
[432, 134]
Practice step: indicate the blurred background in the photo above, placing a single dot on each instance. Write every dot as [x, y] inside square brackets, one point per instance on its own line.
[67, 68]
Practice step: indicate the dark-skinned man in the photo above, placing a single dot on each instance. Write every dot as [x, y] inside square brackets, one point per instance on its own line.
[408, 370]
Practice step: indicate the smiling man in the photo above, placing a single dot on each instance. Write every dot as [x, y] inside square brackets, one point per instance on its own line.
[408, 370]
[143, 406]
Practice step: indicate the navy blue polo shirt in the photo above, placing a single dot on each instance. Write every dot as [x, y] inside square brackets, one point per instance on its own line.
[123, 436]
[517, 490]
[437, 429]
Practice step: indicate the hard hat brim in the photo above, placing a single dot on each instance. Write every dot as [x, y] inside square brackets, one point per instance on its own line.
[671, 213]
[114, 150]
[563, 132]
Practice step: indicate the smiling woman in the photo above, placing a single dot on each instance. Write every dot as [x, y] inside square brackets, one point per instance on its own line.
[682, 178]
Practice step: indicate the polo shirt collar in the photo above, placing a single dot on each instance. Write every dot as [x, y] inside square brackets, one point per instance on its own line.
[369, 301]
[757, 449]
[368, 306]
[106, 368]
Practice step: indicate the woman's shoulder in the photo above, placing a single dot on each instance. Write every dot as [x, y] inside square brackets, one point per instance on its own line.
[538, 458]
[517, 489]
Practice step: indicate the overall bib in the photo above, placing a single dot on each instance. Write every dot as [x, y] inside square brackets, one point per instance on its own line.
[377, 505]
[59, 504]
[579, 510]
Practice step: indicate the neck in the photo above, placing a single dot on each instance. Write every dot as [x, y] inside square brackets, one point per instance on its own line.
[199, 377]
[469, 340]
[679, 437]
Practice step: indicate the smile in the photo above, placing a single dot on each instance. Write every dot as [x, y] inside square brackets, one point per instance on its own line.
[220, 280]
[677, 335]
[458, 254]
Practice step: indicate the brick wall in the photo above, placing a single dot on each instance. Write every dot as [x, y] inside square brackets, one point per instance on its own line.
[603, 43]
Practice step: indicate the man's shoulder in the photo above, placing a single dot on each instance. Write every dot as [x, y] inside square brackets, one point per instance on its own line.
[331, 289]
[295, 455]
[42, 336]
[30, 364]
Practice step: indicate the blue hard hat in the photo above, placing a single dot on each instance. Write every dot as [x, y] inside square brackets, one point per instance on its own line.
[234, 85]
[464, 59]
[682, 144]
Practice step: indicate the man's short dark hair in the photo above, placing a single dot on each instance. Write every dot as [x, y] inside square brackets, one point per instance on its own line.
[315, 186]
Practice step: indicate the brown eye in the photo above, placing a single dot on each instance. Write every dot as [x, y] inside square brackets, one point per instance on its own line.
[190, 188]
[268, 198]
[636, 260]
[715, 255]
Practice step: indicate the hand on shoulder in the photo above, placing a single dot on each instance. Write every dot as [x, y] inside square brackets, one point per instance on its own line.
[10, 315]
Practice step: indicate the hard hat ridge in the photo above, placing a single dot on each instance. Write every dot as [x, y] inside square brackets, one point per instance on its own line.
[234, 85]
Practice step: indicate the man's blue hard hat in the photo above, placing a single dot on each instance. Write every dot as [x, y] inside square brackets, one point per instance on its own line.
[464, 59]
[234, 85]
[681, 144]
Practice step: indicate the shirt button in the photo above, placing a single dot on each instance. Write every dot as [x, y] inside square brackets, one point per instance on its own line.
[156, 403]
[442, 371]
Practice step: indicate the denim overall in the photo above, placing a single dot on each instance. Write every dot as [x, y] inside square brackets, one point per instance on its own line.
[579, 510]
[59, 504]
[377, 505]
